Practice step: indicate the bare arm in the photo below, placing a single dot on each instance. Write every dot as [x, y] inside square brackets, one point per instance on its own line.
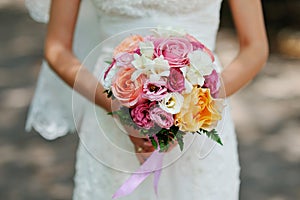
[253, 53]
[59, 54]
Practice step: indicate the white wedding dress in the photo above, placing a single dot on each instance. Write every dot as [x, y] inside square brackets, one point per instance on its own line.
[105, 156]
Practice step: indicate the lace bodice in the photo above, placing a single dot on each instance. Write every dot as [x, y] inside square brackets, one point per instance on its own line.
[146, 8]
[39, 9]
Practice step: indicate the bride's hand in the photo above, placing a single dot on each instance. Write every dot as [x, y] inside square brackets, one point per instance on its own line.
[143, 148]
[142, 145]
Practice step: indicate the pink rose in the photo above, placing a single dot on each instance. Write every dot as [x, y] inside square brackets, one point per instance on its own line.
[124, 59]
[175, 81]
[154, 91]
[212, 82]
[141, 115]
[198, 45]
[127, 91]
[162, 118]
[174, 50]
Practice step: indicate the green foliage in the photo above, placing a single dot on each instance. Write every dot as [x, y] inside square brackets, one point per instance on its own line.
[153, 141]
[166, 137]
[108, 62]
[213, 134]
[124, 116]
[179, 138]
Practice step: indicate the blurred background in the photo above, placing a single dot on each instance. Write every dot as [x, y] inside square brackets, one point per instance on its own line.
[266, 112]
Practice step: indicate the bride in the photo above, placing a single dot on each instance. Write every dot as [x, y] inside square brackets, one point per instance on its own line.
[106, 157]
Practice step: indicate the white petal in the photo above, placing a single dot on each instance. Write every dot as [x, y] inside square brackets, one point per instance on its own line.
[136, 74]
[154, 77]
[165, 73]
[184, 70]
[178, 103]
[147, 49]
[160, 62]
[188, 87]
[194, 76]
[108, 80]
[137, 62]
[168, 31]
[141, 62]
[201, 61]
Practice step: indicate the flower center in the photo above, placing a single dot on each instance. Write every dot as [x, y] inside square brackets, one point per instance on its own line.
[153, 88]
[171, 102]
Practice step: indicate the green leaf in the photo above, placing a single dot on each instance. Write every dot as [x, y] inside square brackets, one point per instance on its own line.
[179, 138]
[213, 134]
[109, 94]
[153, 141]
[144, 131]
[124, 116]
[166, 137]
[111, 113]
[108, 62]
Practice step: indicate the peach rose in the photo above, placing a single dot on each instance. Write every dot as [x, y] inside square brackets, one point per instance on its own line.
[199, 110]
[129, 44]
[128, 92]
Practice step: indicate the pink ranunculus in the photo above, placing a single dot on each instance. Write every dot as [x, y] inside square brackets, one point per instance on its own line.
[155, 91]
[124, 59]
[198, 45]
[212, 82]
[162, 118]
[175, 82]
[128, 91]
[141, 115]
[174, 50]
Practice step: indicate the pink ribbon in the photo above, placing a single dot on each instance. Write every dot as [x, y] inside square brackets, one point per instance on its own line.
[152, 165]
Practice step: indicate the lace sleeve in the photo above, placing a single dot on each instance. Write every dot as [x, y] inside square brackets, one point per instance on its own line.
[39, 9]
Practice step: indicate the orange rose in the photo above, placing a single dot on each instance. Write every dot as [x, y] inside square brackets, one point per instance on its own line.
[129, 44]
[128, 92]
[199, 110]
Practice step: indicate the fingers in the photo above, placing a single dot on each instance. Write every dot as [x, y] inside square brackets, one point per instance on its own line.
[144, 143]
[140, 158]
[142, 155]
[143, 152]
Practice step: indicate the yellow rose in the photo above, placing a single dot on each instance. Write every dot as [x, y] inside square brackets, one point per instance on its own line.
[199, 110]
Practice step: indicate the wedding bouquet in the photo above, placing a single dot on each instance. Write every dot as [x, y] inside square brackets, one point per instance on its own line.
[166, 85]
